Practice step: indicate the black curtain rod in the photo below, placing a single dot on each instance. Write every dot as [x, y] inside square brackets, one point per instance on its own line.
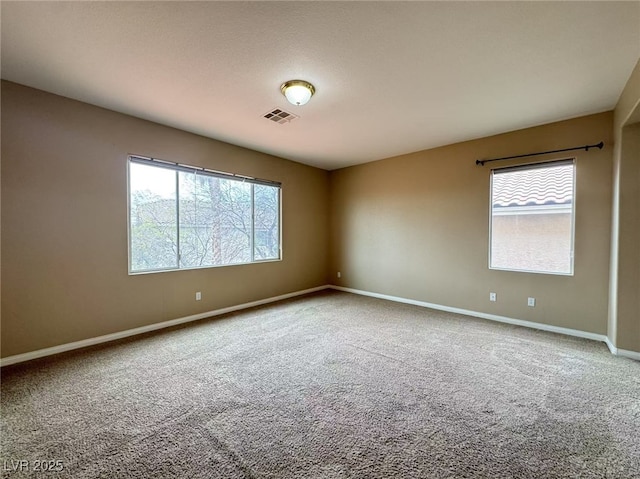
[585, 148]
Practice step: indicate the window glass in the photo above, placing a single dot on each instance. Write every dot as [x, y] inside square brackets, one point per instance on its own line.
[266, 222]
[153, 207]
[532, 212]
[185, 218]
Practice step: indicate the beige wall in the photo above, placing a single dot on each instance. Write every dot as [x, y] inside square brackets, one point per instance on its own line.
[416, 226]
[624, 305]
[628, 328]
[64, 224]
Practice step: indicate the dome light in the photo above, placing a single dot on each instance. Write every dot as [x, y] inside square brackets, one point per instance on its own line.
[298, 92]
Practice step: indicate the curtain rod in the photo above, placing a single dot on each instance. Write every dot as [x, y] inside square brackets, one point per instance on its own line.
[585, 148]
[145, 160]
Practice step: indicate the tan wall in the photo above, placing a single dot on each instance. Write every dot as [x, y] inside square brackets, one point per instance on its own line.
[628, 330]
[64, 224]
[624, 286]
[626, 111]
[416, 226]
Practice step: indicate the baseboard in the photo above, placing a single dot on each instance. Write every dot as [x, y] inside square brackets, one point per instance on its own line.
[40, 353]
[622, 352]
[628, 354]
[477, 314]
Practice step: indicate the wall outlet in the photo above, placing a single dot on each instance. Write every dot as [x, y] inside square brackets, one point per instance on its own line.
[339, 274]
[531, 302]
[198, 296]
[493, 297]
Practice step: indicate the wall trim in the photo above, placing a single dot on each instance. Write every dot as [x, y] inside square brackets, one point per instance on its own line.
[625, 353]
[40, 353]
[477, 314]
[621, 352]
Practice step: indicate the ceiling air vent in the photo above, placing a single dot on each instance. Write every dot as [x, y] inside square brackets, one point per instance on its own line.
[280, 116]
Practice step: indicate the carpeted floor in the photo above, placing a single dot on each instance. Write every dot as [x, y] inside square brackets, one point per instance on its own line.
[330, 385]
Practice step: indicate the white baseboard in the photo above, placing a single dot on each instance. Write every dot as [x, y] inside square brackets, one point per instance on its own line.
[622, 352]
[19, 358]
[477, 314]
[628, 354]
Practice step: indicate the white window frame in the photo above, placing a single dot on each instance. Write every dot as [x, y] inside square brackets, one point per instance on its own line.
[219, 174]
[540, 164]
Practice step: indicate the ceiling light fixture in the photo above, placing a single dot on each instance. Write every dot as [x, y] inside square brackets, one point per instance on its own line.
[298, 92]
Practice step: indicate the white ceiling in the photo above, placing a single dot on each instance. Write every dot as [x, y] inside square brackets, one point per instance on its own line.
[391, 77]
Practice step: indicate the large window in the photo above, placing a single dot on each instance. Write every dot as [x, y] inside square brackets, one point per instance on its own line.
[183, 217]
[532, 215]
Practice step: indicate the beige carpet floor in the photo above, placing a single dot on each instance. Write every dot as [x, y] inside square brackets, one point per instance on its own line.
[330, 385]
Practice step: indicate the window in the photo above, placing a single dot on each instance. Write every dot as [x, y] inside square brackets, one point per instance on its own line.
[182, 217]
[532, 217]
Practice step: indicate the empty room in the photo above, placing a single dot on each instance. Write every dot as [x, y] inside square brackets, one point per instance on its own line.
[320, 239]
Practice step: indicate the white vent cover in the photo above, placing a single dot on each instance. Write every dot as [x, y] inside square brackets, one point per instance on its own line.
[280, 116]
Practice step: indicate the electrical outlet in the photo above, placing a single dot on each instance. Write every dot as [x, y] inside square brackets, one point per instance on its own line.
[198, 296]
[339, 274]
[493, 297]
[531, 302]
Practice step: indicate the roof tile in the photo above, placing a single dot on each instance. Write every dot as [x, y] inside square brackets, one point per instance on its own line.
[533, 187]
